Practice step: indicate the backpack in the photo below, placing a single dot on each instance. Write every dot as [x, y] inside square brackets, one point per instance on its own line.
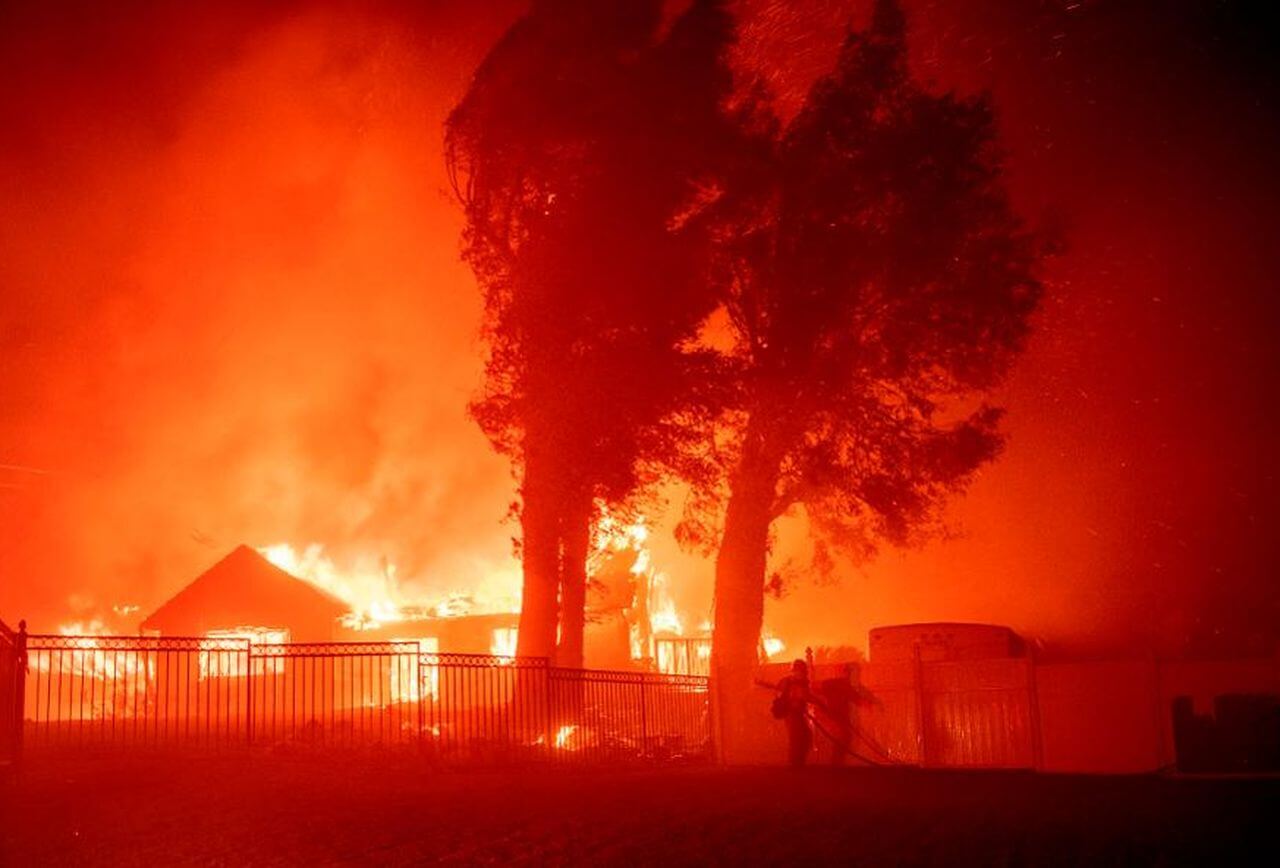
[779, 707]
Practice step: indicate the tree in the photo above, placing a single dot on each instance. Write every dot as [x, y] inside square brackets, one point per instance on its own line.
[882, 281]
[583, 154]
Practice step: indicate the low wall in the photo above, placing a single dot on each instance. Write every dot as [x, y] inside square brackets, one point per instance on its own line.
[1106, 717]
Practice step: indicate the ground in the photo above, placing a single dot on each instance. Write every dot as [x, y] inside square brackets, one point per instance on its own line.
[281, 810]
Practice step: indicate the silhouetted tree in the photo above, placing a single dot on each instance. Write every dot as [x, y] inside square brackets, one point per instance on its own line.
[584, 155]
[881, 283]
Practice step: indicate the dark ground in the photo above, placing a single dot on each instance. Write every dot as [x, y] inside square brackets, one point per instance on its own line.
[276, 810]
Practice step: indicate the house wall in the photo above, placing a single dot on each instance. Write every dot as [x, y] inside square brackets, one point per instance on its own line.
[301, 625]
[463, 634]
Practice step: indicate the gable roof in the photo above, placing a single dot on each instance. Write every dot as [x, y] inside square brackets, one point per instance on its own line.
[245, 589]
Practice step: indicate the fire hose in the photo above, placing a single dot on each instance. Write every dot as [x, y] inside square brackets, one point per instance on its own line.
[841, 746]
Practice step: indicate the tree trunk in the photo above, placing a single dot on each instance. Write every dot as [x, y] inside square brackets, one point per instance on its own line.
[540, 547]
[739, 597]
[575, 540]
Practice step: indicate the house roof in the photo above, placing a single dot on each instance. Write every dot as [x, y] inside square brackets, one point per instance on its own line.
[244, 589]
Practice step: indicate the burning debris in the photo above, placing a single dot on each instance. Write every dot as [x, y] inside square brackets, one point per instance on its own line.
[563, 735]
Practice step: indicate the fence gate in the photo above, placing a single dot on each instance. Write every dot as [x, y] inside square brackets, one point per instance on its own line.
[954, 714]
[13, 667]
[977, 714]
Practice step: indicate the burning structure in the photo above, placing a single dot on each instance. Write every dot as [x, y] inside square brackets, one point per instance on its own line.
[277, 594]
[280, 593]
[243, 594]
[249, 595]
[250, 652]
[482, 633]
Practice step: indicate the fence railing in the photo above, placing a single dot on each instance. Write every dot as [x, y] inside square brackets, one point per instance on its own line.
[602, 715]
[12, 686]
[123, 691]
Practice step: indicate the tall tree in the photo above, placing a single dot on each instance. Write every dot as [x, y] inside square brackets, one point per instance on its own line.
[583, 154]
[882, 284]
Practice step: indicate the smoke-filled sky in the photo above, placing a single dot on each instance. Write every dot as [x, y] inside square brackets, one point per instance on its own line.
[232, 309]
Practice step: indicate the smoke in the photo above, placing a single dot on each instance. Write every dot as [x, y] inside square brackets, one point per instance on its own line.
[232, 310]
[1131, 506]
[234, 307]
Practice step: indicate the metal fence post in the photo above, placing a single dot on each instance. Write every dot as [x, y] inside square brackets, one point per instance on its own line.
[644, 717]
[419, 692]
[547, 672]
[248, 686]
[1033, 709]
[20, 691]
[922, 725]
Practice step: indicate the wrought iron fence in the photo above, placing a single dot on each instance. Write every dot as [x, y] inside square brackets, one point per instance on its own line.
[86, 690]
[683, 655]
[97, 691]
[12, 674]
[609, 716]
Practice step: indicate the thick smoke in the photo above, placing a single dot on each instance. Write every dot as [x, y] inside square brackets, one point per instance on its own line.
[234, 307]
[1131, 508]
[232, 310]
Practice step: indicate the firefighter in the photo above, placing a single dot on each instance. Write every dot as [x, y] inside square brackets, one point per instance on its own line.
[840, 698]
[791, 705]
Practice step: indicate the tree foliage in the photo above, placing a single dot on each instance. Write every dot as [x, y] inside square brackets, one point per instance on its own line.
[881, 285]
[584, 154]
[881, 281]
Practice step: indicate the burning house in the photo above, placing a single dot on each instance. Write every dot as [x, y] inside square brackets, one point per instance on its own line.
[245, 594]
[439, 630]
[277, 594]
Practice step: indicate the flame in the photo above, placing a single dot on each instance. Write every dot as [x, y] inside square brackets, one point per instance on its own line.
[663, 617]
[218, 663]
[656, 609]
[371, 587]
[773, 646]
[132, 675]
[454, 606]
[563, 735]
[404, 686]
[94, 627]
[504, 643]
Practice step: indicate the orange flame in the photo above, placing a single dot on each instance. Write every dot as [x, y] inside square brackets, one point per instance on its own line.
[563, 735]
[503, 644]
[371, 587]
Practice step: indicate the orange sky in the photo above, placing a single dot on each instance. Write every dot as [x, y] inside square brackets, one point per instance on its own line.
[233, 310]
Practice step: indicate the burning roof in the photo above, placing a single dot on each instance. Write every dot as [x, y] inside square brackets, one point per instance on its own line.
[245, 588]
